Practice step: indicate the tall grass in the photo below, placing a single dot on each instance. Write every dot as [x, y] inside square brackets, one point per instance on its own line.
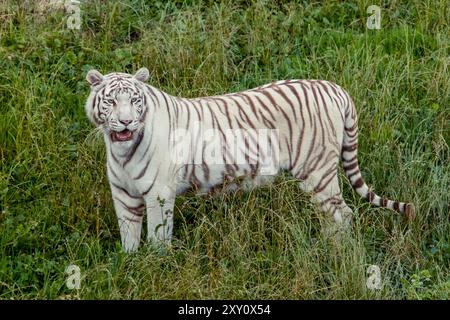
[55, 203]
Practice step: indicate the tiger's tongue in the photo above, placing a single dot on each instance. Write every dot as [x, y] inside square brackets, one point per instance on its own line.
[124, 135]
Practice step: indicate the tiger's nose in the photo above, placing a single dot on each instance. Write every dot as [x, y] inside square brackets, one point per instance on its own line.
[125, 122]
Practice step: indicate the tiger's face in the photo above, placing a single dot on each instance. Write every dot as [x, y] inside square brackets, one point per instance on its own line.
[117, 103]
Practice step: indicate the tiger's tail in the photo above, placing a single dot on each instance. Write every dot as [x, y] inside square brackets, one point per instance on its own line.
[351, 167]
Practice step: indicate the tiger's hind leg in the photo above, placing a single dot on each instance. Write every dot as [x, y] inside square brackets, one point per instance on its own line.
[325, 191]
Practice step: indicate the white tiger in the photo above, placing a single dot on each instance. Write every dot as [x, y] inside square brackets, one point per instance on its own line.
[157, 146]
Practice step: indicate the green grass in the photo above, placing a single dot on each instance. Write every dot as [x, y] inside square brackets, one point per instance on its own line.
[55, 203]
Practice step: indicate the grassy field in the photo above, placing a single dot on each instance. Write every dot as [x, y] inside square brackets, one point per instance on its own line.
[55, 203]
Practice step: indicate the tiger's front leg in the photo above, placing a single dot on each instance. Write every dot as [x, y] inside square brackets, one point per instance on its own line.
[160, 203]
[130, 213]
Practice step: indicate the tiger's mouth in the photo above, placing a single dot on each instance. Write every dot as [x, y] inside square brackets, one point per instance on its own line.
[124, 135]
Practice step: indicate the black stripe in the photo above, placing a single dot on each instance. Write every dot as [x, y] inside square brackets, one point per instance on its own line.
[305, 94]
[137, 211]
[350, 148]
[132, 220]
[144, 170]
[320, 188]
[325, 106]
[249, 102]
[370, 196]
[358, 183]
[285, 97]
[151, 185]
[124, 191]
[265, 107]
[318, 114]
[135, 146]
[396, 206]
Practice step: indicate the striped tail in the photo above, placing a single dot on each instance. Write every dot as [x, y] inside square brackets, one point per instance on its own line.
[351, 167]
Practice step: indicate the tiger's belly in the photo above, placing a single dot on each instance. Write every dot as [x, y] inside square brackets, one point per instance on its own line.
[215, 179]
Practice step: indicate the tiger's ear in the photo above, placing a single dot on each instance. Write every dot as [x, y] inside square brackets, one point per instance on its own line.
[94, 77]
[142, 74]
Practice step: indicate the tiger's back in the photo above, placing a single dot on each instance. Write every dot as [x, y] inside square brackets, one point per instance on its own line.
[287, 109]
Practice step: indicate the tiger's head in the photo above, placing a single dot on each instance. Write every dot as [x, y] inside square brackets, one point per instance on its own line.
[117, 104]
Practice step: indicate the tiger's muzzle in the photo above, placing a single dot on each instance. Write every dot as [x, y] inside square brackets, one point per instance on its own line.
[123, 130]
